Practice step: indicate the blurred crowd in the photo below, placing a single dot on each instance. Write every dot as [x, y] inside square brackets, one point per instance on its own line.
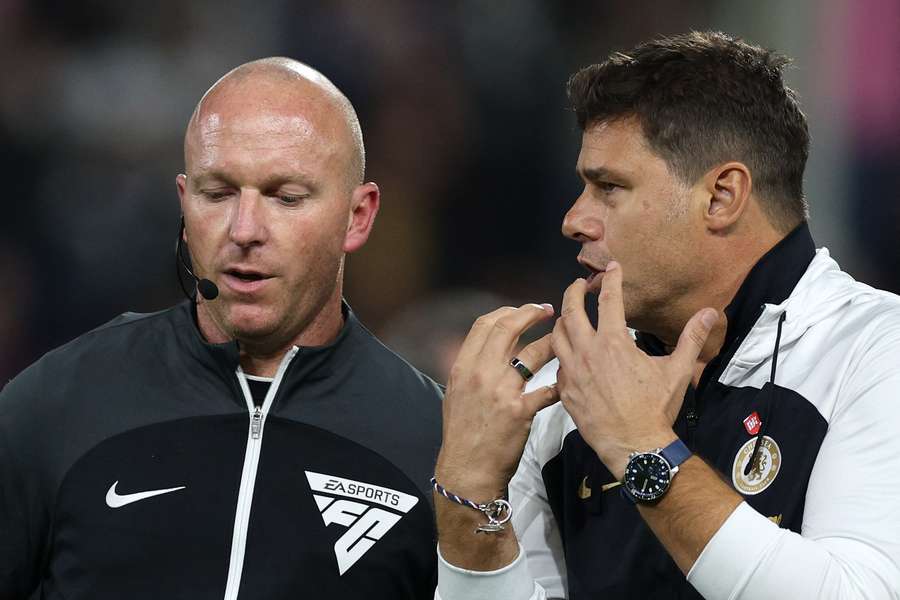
[467, 132]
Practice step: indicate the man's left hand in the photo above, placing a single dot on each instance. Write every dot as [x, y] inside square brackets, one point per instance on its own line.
[621, 399]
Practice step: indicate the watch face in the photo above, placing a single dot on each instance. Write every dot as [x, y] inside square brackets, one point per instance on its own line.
[647, 476]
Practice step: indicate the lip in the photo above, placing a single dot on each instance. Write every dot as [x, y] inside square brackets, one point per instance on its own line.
[232, 280]
[594, 272]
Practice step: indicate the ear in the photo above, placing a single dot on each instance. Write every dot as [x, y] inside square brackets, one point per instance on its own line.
[727, 188]
[364, 203]
[181, 186]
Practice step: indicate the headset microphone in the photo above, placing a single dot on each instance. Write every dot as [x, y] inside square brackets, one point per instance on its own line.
[207, 288]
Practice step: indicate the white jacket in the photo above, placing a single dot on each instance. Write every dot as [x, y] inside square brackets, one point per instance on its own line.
[840, 351]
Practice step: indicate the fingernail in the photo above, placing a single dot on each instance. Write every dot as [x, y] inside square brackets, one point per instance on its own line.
[709, 318]
[612, 266]
[542, 306]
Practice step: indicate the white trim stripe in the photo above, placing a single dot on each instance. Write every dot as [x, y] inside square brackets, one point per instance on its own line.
[248, 475]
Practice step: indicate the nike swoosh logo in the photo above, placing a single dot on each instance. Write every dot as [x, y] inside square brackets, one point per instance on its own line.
[609, 486]
[115, 500]
[584, 492]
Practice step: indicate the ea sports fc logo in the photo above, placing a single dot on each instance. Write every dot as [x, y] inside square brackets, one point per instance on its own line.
[371, 513]
[765, 468]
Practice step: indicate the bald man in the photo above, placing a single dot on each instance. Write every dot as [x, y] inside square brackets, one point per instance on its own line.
[254, 441]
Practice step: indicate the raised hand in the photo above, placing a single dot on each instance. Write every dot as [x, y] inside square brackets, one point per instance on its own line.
[621, 399]
[486, 416]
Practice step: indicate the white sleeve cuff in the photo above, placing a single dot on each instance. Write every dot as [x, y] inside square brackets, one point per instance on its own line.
[512, 582]
[733, 553]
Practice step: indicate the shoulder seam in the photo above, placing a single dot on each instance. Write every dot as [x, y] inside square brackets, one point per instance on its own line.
[139, 317]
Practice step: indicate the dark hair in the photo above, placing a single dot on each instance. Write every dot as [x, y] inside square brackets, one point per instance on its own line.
[701, 99]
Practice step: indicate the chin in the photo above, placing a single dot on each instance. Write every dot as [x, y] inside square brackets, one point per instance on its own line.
[251, 321]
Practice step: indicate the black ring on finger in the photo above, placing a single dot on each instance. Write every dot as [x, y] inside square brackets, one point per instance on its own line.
[519, 366]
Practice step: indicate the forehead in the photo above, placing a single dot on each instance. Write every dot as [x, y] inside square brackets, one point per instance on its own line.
[617, 145]
[248, 141]
[215, 124]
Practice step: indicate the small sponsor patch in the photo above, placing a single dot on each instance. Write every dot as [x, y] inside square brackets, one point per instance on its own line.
[764, 470]
[752, 423]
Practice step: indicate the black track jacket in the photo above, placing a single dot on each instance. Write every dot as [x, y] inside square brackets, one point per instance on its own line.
[134, 464]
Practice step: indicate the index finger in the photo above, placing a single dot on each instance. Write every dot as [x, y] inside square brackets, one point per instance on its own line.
[508, 328]
[478, 334]
[611, 307]
[572, 308]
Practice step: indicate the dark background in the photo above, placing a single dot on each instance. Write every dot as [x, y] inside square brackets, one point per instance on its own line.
[464, 114]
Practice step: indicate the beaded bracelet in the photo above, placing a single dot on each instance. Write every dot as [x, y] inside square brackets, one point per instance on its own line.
[498, 511]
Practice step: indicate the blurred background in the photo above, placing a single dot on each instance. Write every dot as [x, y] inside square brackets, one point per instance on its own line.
[467, 132]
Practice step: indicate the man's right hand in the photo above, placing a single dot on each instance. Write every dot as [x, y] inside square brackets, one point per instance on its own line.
[487, 419]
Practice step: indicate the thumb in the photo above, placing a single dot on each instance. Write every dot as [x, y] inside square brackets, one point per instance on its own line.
[693, 338]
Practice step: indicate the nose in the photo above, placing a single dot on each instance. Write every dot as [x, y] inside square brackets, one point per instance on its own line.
[248, 227]
[584, 220]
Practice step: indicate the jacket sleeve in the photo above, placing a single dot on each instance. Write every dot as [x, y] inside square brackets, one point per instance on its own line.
[533, 519]
[24, 514]
[512, 582]
[849, 546]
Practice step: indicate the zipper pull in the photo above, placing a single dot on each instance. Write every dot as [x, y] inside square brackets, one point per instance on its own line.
[256, 423]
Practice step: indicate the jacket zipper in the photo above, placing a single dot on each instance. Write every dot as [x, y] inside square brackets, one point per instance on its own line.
[256, 423]
[248, 475]
[691, 418]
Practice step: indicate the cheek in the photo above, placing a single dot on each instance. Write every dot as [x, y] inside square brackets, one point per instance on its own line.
[200, 242]
[206, 227]
[314, 249]
[631, 241]
[646, 258]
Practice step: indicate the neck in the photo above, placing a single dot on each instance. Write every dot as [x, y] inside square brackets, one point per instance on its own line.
[728, 267]
[262, 355]
[264, 360]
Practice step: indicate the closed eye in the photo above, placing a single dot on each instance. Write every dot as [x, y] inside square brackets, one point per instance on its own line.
[216, 194]
[291, 199]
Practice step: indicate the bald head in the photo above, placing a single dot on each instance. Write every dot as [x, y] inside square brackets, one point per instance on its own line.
[282, 90]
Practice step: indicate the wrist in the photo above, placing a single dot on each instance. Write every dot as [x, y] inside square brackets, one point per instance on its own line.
[464, 540]
[615, 456]
[649, 473]
[478, 486]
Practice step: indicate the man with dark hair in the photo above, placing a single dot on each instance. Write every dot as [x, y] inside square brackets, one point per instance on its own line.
[256, 441]
[702, 101]
[729, 428]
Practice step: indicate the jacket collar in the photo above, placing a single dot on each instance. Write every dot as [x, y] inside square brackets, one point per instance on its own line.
[225, 357]
[770, 281]
[822, 291]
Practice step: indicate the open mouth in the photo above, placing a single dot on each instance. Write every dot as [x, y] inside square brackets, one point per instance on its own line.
[246, 276]
[245, 281]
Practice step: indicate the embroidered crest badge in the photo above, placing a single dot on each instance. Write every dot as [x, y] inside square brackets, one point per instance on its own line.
[765, 468]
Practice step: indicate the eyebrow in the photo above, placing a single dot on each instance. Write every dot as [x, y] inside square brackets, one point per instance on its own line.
[272, 181]
[595, 174]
